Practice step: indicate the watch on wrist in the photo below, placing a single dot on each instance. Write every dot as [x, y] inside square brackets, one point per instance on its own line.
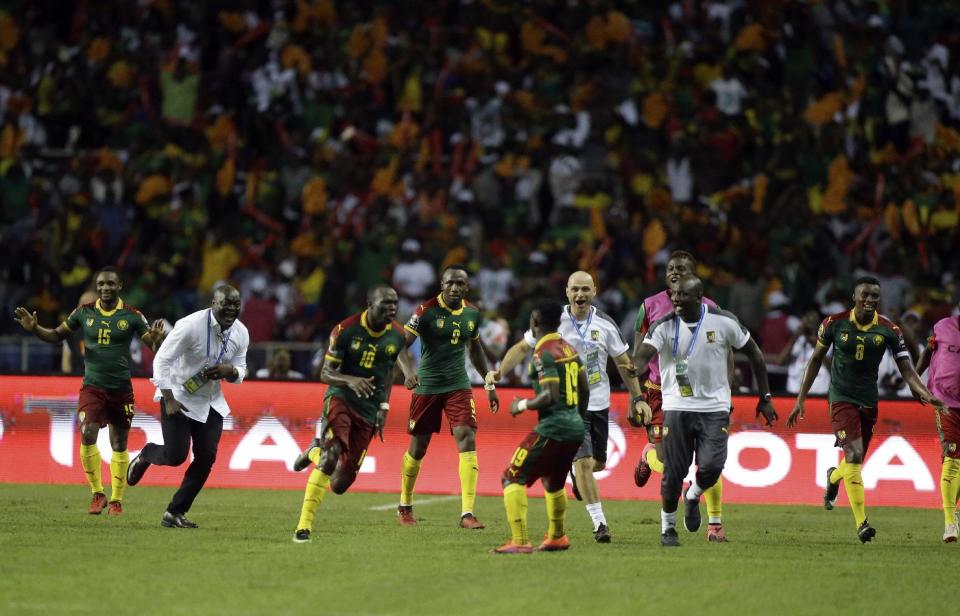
[767, 397]
[640, 398]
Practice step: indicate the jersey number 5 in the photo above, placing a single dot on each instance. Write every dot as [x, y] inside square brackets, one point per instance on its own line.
[571, 372]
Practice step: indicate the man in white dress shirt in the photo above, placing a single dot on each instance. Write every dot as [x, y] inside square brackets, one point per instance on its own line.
[204, 348]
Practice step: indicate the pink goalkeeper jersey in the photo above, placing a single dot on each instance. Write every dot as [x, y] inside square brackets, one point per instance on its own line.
[654, 308]
[944, 380]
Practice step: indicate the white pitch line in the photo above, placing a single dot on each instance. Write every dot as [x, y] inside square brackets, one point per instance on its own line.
[425, 501]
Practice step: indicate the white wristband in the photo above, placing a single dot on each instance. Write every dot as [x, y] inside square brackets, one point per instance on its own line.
[490, 387]
[522, 405]
[384, 406]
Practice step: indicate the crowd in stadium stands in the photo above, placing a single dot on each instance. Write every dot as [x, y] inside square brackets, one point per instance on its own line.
[307, 149]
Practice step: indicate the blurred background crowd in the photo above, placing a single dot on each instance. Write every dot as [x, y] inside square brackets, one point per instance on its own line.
[307, 149]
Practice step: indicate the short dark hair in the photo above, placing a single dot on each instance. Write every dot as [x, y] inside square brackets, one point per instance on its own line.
[455, 266]
[372, 291]
[683, 254]
[551, 311]
[108, 269]
[865, 280]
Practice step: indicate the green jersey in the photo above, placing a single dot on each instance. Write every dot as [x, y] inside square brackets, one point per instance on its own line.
[444, 335]
[357, 350]
[106, 341]
[554, 360]
[857, 352]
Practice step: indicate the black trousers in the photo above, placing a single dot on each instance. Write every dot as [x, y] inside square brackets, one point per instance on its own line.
[178, 430]
[687, 433]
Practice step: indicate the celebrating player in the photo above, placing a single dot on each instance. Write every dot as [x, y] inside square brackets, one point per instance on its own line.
[680, 265]
[359, 367]
[562, 397]
[942, 354]
[596, 337]
[859, 338]
[694, 345]
[106, 397]
[446, 325]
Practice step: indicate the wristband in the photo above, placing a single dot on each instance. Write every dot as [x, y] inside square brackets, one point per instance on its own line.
[490, 387]
[767, 397]
[640, 398]
[384, 406]
[522, 405]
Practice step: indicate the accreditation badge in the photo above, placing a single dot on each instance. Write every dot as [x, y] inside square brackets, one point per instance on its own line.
[683, 380]
[198, 380]
[594, 375]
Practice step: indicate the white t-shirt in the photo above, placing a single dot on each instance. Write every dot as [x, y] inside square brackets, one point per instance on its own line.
[800, 354]
[707, 360]
[596, 338]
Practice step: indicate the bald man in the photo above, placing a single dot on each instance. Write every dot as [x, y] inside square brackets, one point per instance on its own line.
[596, 337]
[204, 348]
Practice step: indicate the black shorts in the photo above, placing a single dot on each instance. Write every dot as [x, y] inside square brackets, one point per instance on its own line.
[596, 428]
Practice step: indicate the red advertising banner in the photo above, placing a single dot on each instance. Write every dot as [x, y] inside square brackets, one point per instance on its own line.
[272, 422]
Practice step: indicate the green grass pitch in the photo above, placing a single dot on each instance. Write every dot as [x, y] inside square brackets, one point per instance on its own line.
[56, 559]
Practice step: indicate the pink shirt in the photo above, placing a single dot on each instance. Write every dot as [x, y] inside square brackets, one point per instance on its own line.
[944, 380]
[655, 308]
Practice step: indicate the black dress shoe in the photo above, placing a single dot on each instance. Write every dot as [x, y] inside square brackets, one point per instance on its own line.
[176, 520]
[136, 470]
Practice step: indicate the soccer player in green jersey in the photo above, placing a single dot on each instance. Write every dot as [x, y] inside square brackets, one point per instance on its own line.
[106, 397]
[859, 339]
[358, 370]
[446, 325]
[561, 401]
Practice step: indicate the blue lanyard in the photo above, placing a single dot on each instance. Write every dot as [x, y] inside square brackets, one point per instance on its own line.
[223, 341]
[693, 341]
[576, 326]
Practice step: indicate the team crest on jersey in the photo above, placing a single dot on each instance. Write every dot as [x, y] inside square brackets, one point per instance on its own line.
[844, 337]
[711, 337]
[122, 324]
[657, 430]
[89, 322]
[878, 340]
[841, 434]
[952, 448]
[666, 431]
[470, 326]
[412, 425]
[356, 344]
[440, 323]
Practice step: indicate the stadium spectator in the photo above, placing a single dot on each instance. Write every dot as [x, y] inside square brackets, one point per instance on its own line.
[279, 368]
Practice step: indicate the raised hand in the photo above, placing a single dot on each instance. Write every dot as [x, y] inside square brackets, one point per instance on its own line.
[25, 318]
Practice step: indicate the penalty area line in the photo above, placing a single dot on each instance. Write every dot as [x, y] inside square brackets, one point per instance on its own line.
[424, 501]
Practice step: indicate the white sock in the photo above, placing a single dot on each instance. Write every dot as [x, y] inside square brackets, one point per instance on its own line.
[596, 514]
[714, 519]
[694, 491]
[667, 520]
